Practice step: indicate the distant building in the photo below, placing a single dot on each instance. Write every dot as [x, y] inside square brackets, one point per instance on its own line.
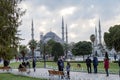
[51, 35]
[99, 47]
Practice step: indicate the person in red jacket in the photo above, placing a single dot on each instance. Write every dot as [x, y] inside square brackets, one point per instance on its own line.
[106, 64]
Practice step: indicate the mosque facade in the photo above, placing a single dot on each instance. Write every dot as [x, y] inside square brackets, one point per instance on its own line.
[51, 35]
[99, 47]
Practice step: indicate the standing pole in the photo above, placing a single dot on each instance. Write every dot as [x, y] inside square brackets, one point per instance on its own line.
[44, 57]
[92, 38]
[32, 35]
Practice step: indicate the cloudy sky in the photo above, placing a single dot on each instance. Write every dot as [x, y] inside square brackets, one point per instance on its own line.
[81, 16]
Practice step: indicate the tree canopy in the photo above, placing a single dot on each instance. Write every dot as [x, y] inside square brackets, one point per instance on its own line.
[10, 15]
[92, 38]
[23, 51]
[82, 48]
[57, 51]
[32, 45]
[112, 38]
[49, 46]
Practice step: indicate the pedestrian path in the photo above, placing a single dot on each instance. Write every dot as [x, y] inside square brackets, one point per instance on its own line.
[43, 73]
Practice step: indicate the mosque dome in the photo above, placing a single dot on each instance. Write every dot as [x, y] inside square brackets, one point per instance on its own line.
[51, 35]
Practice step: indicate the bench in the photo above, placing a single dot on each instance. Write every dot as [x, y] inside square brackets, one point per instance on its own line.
[22, 69]
[53, 72]
[7, 68]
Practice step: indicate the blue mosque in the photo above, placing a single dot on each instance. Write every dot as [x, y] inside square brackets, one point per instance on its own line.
[51, 35]
[98, 46]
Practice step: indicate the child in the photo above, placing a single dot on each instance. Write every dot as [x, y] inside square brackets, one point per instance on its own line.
[68, 70]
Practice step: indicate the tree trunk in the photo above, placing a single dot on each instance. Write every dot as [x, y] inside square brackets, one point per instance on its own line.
[32, 52]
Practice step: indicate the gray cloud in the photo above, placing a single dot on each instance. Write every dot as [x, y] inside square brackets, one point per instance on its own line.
[46, 16]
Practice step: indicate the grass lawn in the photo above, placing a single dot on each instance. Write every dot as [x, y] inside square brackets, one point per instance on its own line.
[7, 76]
[113, 66]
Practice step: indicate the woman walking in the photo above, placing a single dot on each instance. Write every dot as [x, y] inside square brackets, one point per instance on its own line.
[106, 64]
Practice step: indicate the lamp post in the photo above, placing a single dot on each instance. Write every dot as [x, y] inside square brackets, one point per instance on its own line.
[43, 51]
[44, 57]
[92, 38]
[66, 51]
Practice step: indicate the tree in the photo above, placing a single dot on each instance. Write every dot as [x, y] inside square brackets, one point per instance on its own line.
[82, 48]
[112, 38]
[32, 45]
[10, 15]
[57, 51]
[92, 38]
[23, 51]
[49, 46]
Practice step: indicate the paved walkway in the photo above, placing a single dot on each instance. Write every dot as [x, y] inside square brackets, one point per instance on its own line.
[43, 73]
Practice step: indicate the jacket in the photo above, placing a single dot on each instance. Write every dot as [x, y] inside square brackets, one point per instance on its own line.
[106, 63]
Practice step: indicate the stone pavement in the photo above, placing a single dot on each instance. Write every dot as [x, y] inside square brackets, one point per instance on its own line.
[43, 73]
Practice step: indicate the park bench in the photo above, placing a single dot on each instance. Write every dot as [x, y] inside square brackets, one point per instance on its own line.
[22, 69]
[7, 68]
[54, 72]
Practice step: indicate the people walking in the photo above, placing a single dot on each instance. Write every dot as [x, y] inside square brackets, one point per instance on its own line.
[106, 64]
[95, 64]
[68, 70]
[88, 64]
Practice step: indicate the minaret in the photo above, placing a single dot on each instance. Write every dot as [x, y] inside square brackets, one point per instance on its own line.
[41, 36]
[99, 33]
[96, 41]
[62, 28]
[32, 29]
[66, 35]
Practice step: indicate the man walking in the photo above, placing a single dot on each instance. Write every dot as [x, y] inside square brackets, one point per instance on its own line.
[34, 65]
[95, 64]
[88, 64]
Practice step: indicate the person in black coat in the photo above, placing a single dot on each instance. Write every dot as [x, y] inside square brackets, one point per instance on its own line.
[60, 64]
[119, 66]
[34, 65]
[21, 66]
[119, 62]
[24, 64]
[95, 64]
[6, 62]
[88, 64]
